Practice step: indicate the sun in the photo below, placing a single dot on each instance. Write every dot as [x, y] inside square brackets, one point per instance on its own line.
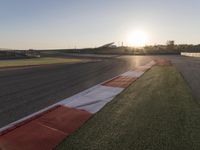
[137, 38]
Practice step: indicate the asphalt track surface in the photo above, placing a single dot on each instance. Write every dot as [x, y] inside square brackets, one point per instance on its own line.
[189, 67]
[28, 90]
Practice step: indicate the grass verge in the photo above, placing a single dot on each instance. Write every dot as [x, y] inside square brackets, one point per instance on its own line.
[36, 61]
[157, 112]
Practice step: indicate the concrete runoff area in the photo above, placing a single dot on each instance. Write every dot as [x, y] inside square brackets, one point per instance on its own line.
[158, 111]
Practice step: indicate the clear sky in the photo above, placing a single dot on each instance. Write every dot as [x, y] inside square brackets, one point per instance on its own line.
[43, 24]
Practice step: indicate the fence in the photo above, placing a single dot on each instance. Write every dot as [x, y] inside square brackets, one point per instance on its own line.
[190, 54]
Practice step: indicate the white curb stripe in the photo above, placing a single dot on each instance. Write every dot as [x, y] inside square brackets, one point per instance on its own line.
[134, 74]
[94, 92]
[97, 97]
[151, 63]
[94, 108]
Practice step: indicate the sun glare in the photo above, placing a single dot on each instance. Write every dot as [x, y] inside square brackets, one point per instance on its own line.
[137, 39]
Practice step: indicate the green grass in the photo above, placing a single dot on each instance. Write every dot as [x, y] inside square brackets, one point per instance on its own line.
[157, 112]
[36, 61]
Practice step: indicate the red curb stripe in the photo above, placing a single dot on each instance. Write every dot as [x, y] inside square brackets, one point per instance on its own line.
[141, 69]
[65, 119]
[46, 130]
[26, 121]
[163, 62]
[120, 81]
[31, 136]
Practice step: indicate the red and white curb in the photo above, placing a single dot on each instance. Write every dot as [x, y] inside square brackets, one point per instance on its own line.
[45, 129]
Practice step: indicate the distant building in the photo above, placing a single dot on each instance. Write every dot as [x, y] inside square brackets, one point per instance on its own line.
[170, 43]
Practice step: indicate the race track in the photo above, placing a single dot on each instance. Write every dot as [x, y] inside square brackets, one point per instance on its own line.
[28, 90]
[25, 91]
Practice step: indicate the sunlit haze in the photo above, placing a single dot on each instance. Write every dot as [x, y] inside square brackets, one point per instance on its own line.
[50, 24]
[137, 38]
